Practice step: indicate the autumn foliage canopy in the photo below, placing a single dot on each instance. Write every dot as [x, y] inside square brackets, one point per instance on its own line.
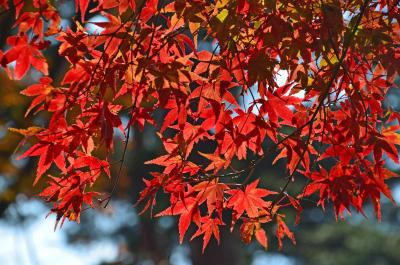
[147, 59]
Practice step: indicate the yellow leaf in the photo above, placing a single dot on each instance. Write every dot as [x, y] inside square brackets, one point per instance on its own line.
[223, 15]
[28, 131]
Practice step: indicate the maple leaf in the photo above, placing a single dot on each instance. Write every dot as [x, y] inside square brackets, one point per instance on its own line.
[282, 230]
[188, 211]
[248, 229]
[216, 162]
[24, 53]
[212, 192]
[250, 200]
[18, 6]
[49, 154]
[49, 148]
[168, 161]
[108, 122]
[209, 226]
[104, 117]
[82, 6]
[381, 143]
[122, 5]
[95, 165]
[4, 4]
[41, 91]
[149, 10]
[276, 108]
[30, 131]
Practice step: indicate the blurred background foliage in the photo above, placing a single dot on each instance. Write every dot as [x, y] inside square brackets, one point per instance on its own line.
[142, 240]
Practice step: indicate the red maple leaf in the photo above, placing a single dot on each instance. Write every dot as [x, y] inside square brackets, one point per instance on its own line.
[209, 226]
[25, 53]
[249, 200]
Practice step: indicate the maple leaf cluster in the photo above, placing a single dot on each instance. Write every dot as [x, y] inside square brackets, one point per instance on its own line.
[327, 119]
